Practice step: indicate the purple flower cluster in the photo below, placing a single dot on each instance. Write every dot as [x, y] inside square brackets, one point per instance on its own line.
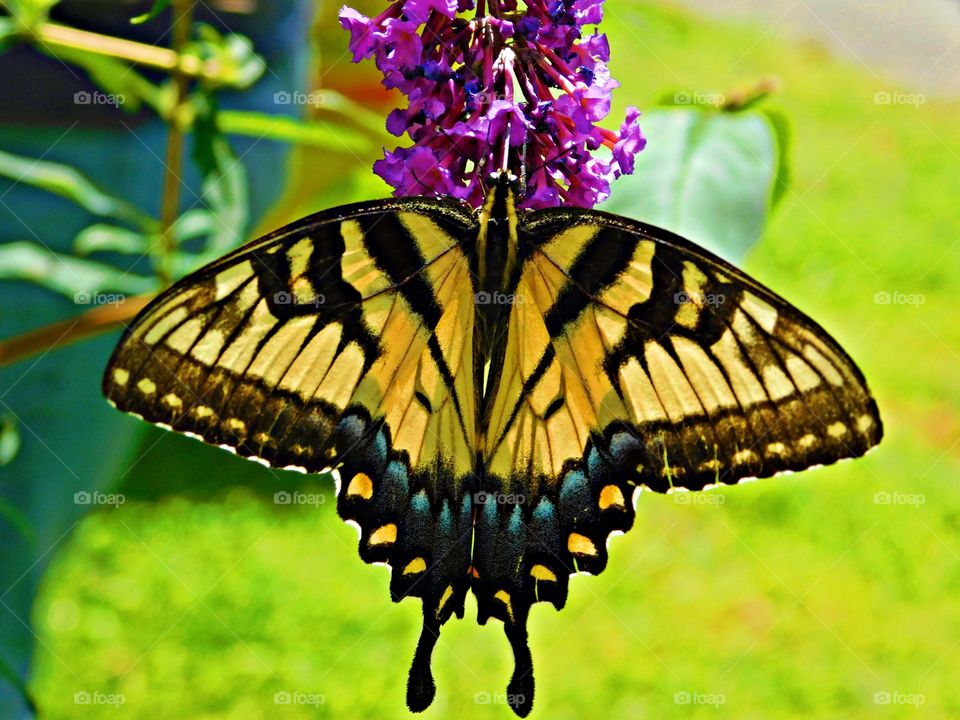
[494, 87]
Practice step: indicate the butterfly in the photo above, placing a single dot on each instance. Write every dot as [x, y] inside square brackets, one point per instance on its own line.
[492, 389]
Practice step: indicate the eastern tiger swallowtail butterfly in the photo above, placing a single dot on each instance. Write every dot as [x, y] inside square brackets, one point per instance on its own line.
[491, 389]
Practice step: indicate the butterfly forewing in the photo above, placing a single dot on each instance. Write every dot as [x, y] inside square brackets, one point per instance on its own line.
[263, 350]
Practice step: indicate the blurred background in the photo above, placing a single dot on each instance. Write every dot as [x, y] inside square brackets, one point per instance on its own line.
[142, 574]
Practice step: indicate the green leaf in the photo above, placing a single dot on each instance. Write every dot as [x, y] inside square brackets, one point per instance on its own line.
[781, 126]
[193, 224]
[206, 134]
[705, 175]
[325, 135]
[224, 188]
[158, 7]
[17, 683]
[9, 440]
[101, 237]
[110, 238]
[67, 182]
[30, 13]
[238, 65]
[338, 104]
[83, 281]
[19, 521]
[9, 32]
[225, 193]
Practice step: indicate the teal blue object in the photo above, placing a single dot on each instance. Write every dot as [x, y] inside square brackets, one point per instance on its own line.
[72, 442]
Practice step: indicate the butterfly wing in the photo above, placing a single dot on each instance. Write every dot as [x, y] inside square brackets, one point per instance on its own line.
[634, 358]
[342, 341]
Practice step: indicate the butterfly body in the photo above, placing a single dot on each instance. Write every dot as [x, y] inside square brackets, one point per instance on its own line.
[492, 389]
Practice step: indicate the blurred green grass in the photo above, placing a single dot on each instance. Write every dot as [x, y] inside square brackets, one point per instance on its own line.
[798, 596]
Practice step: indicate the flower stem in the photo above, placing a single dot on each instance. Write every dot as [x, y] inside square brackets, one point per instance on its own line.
[60, 334]
[170, 206]
[55, 35]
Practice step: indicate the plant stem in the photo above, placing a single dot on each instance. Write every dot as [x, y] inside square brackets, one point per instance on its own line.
[170, 206]
[59, 334]
[56, 35]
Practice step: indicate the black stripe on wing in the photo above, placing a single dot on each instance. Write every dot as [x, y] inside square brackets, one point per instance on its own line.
[223, 353]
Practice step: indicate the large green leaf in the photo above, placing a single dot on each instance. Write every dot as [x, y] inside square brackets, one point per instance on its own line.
[705, 175]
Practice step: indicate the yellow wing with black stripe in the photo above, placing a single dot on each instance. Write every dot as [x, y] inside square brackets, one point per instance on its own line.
[636, 359]
[264, 350]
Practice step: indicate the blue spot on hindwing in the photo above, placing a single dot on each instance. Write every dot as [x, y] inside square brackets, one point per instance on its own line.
[574, 487]
[379, 449]
[420, 502]
[351, 429]
[490, 511]
[394, 489]
[623, 446]
[446, 519]
[544, 511]
[516, 521]
[545, 529]
[575, 496]
[595, 463]
[396, 482]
